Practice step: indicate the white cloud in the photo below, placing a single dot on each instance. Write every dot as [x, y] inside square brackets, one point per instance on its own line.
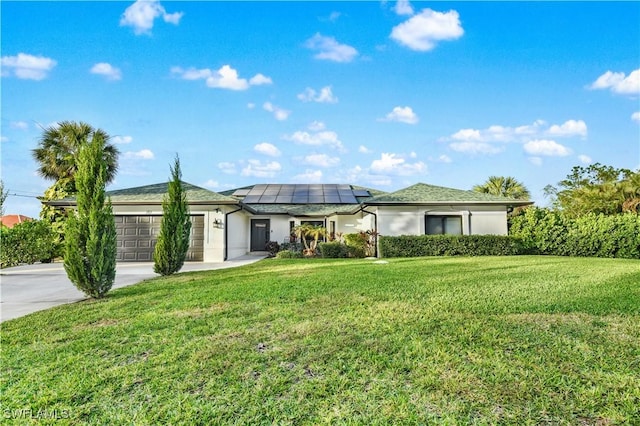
[251, 105]
[423, 31]
[364, 150]
[309, 176]
[395, 164]
[279, 113]
[329, 49]
[322, 138]
[585, 159]
[211, 184]
[4, 139]
[260, 79]
[27, 67]
[333, 17]
[321, 160]
[568, 129]
[267, 149]
[401, 115]
[256, 168]
[472, 147]
[107, 70]
[443, 159]
[547, 148]
[19, 125]
[522, 134]
[324, 96]
[619, 83]
[142, 14]
[223, 78]
[226, 167]
[316, 126]
[121, 139]
[143, 154]
[636, 116]
[403, 7]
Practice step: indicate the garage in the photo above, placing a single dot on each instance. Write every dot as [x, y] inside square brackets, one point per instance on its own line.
[137, 234]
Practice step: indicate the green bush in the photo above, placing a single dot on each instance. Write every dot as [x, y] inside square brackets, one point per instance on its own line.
[357, 244]
[334, 249]
[597, 235]
[449, 245]
[288, 254]
[273, 247]
[28, 242]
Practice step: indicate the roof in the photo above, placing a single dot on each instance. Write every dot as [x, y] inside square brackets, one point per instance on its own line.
[153, 194]
[316, 210]
[422, 193]
[10, 220]
[297, 194]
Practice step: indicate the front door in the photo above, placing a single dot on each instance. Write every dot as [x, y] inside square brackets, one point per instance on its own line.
[259, 234]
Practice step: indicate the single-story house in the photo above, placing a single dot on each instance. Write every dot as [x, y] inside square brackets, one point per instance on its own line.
[233, 223]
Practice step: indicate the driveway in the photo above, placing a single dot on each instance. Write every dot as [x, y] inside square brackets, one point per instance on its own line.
[32, 288]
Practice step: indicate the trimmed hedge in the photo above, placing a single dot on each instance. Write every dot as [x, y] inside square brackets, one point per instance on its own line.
[544, 231]
[28, 242]
[449, 245]
[288, 254]
[334, 250]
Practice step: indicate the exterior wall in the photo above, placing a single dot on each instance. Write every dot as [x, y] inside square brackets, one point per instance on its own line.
[237, 227]
[410, 220]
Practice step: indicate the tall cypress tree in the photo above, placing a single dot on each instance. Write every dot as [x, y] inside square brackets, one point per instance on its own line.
[173, 240]
[90, 243]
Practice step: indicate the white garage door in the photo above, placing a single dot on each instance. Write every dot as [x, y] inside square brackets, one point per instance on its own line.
[137, 237]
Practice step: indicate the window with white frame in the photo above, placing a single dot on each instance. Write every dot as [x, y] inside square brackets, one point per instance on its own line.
[443, 224]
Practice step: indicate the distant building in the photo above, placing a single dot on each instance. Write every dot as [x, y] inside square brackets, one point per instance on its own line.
[11, 220]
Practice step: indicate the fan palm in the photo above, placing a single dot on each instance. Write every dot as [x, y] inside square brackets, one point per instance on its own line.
[505, 187]
[58, 149]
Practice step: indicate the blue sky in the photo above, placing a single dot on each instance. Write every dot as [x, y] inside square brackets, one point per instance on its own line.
[378, 94]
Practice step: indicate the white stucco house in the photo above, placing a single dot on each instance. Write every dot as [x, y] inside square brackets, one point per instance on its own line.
[236, 222]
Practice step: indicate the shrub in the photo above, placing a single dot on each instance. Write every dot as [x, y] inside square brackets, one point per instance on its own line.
[550, 232]
[90, 232]
[334, 249]
[172, 245]
[288, 254]
[292, 246]
[272, 247]
[449, 245]
[357, 244]
[28, 242]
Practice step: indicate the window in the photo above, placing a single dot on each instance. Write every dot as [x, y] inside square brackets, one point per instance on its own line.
[451, 225]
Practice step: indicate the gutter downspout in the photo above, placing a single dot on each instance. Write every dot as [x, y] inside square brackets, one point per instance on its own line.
[375, 226]
[226, 231]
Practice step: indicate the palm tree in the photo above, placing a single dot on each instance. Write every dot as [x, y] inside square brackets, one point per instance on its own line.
[58, 149]
[505, 187]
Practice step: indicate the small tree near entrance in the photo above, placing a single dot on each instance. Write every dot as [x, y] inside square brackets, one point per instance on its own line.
[90, 243]
[173, 240]
[310, 234]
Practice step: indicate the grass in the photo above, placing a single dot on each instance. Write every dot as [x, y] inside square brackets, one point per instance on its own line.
[512, 340]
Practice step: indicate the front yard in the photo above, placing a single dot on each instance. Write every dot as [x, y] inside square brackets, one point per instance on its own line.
[485, 340]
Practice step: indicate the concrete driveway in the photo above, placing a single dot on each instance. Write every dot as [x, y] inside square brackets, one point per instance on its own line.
[32, 288]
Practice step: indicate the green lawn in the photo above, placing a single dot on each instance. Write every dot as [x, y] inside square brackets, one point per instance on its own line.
[486, 340]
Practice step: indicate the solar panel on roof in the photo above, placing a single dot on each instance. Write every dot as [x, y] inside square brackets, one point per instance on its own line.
[301, 194]
[348, 199]
[268, 199]
[251, 199]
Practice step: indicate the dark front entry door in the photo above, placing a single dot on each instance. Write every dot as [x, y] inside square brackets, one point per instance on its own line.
[259, 234]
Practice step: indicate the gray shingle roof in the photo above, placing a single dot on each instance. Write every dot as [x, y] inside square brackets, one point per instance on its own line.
[154, 194]
[422, 193]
